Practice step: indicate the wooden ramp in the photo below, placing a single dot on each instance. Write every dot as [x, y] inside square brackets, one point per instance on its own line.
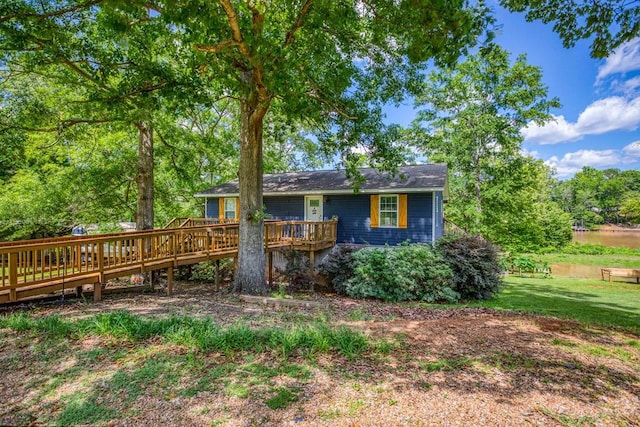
[38, 267]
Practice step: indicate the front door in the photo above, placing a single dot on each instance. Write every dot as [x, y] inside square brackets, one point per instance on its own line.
[313, 208]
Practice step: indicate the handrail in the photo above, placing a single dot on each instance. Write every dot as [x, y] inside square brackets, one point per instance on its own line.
[29, 263]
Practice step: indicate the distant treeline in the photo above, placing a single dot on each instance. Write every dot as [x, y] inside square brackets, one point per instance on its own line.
[600, 196]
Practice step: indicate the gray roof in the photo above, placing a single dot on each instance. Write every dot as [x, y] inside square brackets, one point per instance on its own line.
[410, 179]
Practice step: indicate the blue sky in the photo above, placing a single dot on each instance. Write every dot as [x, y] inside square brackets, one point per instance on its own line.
[598, 123]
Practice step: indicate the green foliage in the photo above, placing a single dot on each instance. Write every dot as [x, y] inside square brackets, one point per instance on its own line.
[630, 207]
[524, 264]
[202, 334]
[470, 117]
[206, 271]
[475, 265]
[402, 273]
[594, 197]
[337, 266]
[607, 24]
[282, 398]
[597, 249]
[297, 270]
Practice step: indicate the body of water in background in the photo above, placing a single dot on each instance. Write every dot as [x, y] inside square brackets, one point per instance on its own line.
[627, 239]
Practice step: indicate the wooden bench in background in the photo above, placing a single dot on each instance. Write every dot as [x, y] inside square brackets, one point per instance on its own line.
[620, 272]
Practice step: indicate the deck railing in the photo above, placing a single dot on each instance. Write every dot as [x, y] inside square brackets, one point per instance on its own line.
[48, 262]
[194, 222]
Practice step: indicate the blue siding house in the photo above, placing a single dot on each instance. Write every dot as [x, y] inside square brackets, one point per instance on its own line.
[386, 210]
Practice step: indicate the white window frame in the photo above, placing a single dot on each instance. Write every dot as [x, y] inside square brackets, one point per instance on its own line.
[229, 199]
[381, 223]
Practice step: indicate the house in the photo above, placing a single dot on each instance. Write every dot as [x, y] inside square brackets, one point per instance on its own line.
[386, 209]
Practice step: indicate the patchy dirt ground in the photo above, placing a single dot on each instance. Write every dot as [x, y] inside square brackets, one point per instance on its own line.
[441, 367]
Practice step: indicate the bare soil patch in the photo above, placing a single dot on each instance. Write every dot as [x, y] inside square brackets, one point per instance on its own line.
[439, 367]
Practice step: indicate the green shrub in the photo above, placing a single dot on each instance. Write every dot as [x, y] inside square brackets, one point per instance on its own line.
[206, 271]
[405, 272]
[297, 270]
[337, 267]
[475, 264]
[524, 264]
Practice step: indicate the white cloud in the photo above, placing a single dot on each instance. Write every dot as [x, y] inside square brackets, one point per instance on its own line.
[632, 150]
[604, 115]
[571, 163]
[553, 132]
[609, 114]
[626, 58]
[631, 85]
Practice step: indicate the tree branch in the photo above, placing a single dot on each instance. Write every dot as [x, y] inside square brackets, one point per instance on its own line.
[298, 23]
[218, 47]
[53, 14]
[234, 26]
[65, 124]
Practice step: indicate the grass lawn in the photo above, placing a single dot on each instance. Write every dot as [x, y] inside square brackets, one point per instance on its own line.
[604, 260]
[585, 300]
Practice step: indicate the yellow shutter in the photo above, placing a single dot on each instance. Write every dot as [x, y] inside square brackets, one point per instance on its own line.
[375, 211]
[237, 208]
[402, 211]
[221, 208]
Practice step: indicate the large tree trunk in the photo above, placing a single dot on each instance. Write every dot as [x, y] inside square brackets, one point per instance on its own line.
[144, 177]
[250, 276]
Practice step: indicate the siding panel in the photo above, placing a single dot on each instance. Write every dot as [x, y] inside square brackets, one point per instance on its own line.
[353, 213]
[287, 208]
[212, 208]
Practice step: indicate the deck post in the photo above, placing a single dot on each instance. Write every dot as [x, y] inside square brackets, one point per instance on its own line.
[217, 277]
[97, 287]
[13, 276]
[270, 266]
[312, 257]
[170, 280]
[97, 290]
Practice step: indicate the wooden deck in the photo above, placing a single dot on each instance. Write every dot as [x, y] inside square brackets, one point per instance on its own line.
[38, 267]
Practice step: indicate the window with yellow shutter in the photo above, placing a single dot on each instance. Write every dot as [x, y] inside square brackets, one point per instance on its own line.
[230, 204]
[389, 211]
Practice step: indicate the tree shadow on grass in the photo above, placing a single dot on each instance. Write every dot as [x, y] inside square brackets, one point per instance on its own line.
[582, 306]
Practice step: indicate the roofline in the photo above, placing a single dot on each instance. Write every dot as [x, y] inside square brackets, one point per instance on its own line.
[331, 192]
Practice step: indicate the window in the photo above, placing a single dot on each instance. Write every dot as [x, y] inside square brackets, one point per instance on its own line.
[389, 211]
[230, 208]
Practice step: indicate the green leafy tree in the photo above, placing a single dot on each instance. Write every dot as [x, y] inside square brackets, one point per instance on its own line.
[630, 208]
[470, 117]
[330, 64]
[113, 63]
[607, 23]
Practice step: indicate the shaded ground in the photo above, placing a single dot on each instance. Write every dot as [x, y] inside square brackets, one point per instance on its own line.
[436, 367]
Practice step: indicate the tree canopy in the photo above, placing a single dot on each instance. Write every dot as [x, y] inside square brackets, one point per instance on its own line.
[470, 116]
[607, 24]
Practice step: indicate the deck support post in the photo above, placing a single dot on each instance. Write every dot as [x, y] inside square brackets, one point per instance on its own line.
[13, 276]
[270, 266]
[170, 280]
[217, 277]
[97, 289]
[312, 256]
